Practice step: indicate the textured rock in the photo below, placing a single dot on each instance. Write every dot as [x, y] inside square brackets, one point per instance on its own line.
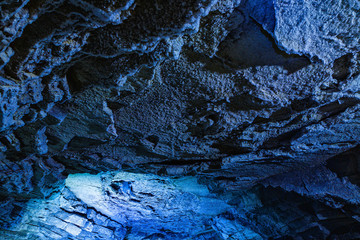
[316, 26]
[198, 119]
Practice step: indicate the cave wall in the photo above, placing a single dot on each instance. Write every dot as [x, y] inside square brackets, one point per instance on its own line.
[196, 119]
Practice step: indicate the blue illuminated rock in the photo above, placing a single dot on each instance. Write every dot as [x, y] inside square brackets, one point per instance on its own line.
[199, 119]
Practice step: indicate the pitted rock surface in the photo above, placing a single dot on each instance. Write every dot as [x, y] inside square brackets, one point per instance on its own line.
[198, 119]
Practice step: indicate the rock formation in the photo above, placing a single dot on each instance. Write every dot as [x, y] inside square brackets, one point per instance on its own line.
[197, 119]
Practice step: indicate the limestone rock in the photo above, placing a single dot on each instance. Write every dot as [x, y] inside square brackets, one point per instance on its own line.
[198, 119]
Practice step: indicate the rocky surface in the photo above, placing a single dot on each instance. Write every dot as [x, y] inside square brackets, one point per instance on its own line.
[197, 119]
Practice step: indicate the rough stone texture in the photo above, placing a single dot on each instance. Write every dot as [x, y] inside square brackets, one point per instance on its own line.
[199, 119]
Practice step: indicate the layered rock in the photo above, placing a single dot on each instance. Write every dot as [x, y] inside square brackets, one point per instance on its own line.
[252, 100]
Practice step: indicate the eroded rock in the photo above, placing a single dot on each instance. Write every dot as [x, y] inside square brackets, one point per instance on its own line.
[159, 119]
